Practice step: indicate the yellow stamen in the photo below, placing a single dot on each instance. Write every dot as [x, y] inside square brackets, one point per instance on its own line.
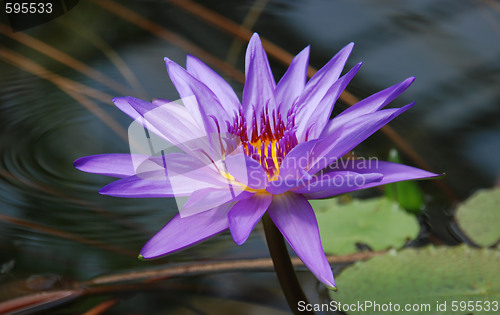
[273, 154]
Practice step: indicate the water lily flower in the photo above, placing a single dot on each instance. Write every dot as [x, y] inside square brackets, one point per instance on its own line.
[274, 150]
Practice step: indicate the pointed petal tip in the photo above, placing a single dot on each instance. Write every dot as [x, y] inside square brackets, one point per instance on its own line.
[78, 162]
[255, 39]
[120, 99]
[191, 59]
[326, 277]
[254, 42]
[406, 83]
[149, 252]
[173, 68]
[144, 256]
[329, 282]
[434, 176]
[408, 106]
[348, 48]
[239, 241]
[169, 63]
[356, 67]
[401, 110]
[306, 50]
[106, 191]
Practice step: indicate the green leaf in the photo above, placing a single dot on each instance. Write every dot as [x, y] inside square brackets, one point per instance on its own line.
[407, 193]
[380, 223]
[479, 217]
[424, 277]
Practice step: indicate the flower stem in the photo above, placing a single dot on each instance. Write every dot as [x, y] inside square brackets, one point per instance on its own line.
[283, 266]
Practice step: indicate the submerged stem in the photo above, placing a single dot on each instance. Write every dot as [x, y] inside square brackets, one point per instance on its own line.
[283, 266]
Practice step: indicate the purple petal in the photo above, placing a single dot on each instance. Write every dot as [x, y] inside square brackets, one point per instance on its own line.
[204, 105]
[115, 165]
[208, 198]
[293, 169]
[368, 105]
[259, 81]
[222, 90]
[180, 233]
[279, 186]
[247, 171]
[171, 121]
[320, 83]
[133, 107]
[195, 166]
[294, 217]
[292, 83]
[256, 53]
[160, 101]
[182, 169]
[245, 215]
[320, 116]
[336, 183]
[180, 163]
[297, 160]
[148, 185]
[392, 172]
[157, 184]
[338, 143]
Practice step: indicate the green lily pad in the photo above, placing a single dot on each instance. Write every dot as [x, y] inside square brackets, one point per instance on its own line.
[479, 217]
[406, 193]
[379, 223]
[461, 280]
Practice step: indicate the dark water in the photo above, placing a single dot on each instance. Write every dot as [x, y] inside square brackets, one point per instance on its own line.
[56, 227]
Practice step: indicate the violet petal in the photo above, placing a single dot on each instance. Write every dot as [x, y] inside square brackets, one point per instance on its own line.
[321, 115]
[245, 215]
[392, 172]
[114, 164]
[247, 171]
[294, 217]
[180, 233]
[337, 182]
[292, 83]
[368, 105]
[320, 83]
[204, 104]
[224, 92]
[259, 81]
[208, 198]
[338, 143]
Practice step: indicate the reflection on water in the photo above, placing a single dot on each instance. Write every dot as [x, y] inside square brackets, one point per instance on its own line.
[55, 226]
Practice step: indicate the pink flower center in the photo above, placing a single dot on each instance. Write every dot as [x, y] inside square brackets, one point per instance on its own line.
[268, 138]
